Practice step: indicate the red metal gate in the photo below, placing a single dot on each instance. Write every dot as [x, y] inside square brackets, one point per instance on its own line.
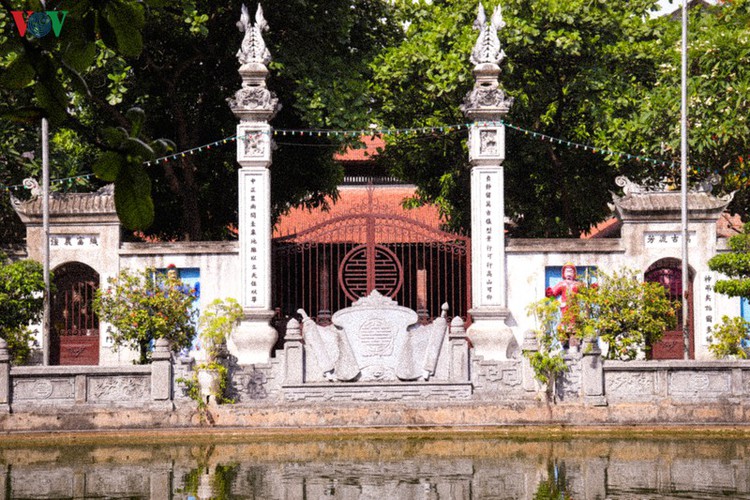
[668, 272]
[328, 266]
[74, 324]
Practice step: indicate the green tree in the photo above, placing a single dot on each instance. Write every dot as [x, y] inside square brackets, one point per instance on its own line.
[21, 303]
[142, 306]
[176, 60]
[571, 66]
[735, 265]
[718, 89]
[627, 313]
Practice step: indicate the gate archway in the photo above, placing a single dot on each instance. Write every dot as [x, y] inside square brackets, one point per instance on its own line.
[373, 247]
[74, 325]
[668, 272]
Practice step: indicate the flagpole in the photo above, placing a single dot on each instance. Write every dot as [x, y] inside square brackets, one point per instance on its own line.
[45, 244]
[684, 189]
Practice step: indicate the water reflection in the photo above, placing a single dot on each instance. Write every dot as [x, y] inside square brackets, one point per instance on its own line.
[381, 468]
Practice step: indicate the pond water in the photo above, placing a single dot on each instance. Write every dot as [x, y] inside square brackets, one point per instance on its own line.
[424, 466]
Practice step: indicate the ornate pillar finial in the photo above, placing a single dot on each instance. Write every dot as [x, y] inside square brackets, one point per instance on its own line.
[253, 102]
[487, 48]
[487, 101]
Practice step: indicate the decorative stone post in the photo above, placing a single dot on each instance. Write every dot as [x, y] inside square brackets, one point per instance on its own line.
[592, 373]
[486, 105]
[459, 351]
[161, 371]
[530, 345]
[254, 105]
[4, 376]
[294, 364]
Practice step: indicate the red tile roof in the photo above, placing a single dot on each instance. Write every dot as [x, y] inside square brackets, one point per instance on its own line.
[372, 144]
[387, 200]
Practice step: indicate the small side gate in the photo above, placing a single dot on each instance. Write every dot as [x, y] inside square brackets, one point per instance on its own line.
[74, 325]
[668, 272]
[328, 266]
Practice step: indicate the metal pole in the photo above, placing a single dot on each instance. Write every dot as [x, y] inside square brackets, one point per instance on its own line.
[684, 191]
[45, 244]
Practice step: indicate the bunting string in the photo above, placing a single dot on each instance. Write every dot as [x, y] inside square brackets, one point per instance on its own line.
[324, 133]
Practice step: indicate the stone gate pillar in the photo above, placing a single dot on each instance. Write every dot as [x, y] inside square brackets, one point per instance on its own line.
[486, 105]
[255, 106]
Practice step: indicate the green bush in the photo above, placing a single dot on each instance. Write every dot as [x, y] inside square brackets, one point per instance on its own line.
[21, 303]
[727, 336]
[143, 306]
[626, 312]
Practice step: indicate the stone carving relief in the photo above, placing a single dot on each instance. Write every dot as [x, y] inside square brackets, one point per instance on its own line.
[119, 389]
[700, 384]
[255, 144]
[249, 98]
[43, 389]
[488, 142]
[375, 340]
[629, 383]
[490, 97]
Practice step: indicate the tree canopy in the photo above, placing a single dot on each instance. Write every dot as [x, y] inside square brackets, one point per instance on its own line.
[119, 62]
[128, 80]
[581, 72]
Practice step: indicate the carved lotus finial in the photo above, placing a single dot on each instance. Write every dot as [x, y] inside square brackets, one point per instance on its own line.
[487, 48]
[253, 48]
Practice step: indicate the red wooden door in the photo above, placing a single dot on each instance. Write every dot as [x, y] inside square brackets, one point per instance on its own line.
[74, 324]
[671, 345]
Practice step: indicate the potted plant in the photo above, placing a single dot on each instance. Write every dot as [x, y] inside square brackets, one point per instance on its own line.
[215, 325]
[730, 338]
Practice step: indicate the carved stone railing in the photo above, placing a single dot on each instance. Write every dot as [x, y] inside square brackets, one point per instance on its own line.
[70, 386]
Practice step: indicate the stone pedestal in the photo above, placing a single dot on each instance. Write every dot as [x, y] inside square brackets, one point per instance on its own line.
[491, 337]
[252, 341]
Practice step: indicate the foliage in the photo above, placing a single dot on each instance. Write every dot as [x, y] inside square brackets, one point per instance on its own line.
[146, 305]
[220, 482]
[735, 265]
[21, 303]
[728, 337]
[718, 88]
[627, 313]
[216, 323]
[571, 67]
[176, 61]
[547, 362]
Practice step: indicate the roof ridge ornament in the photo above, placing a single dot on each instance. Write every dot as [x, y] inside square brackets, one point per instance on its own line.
[253, 48]
[487, 48]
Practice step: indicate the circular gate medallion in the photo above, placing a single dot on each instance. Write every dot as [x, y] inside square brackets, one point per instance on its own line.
[357, 277]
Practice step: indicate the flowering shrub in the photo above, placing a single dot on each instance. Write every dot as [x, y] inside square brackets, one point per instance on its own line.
[626, 312]
[143, 306]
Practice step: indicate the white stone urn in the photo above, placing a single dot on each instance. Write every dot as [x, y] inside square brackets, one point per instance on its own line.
[209, 381]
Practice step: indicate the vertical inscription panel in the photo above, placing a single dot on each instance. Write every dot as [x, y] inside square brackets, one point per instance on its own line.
[255, 238]
[488, 255]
